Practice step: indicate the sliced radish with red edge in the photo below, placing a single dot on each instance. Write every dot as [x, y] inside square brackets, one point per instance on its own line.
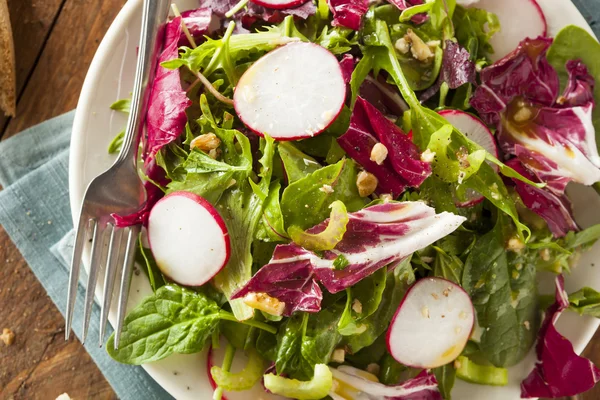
[188, 238]
[519, 19]
[216, 357]
[293, 92]
[474, 129]
[279, 4]
[432, 325]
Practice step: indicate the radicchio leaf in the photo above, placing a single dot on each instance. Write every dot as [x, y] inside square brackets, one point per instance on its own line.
[554, 139]
[253, 12]
[554, 209]
[375, 237]
[348, 13]
[165, 121]
[383, 96]
[404, 4]
[347, 65]
[401, 168]
[457, 69]
[422, 387]
[198, 22]
[559, 372]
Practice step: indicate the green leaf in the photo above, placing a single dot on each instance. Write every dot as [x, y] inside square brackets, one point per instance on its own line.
[173, 320]
[361, 70]
[480, 374]
[583, 239]
[172, 158]
[123, 105]
[115, 145]
[445, 375]
[145, 256]
[337, 40]
[575, 43]
[305, 203]
[502, 285]
[270, 228]
[362, 300]
[585, 301]
[391, 371]
[297, 164]
[447, 266]
[289, 359]
[474, 28]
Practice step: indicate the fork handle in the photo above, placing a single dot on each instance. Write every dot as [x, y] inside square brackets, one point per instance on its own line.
[154, 16]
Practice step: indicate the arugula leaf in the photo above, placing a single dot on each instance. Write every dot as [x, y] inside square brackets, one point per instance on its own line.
[474, 27]
[396, 285]
[297, 165]
[270, 228]
[575, 43]
[362, 301]
[116, 144]
[582, 239]
[172, 159]
[173, 320]
[502, 285]
[305, 203]
[448, 266]
[585, 301]
[338, 40]
[145, 256]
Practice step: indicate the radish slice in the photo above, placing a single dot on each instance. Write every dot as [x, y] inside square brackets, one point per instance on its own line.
[188, 238]
[293, 92]
[519, 19]
[473, 128]
[216, 357]
[279, 4]
[432, 325]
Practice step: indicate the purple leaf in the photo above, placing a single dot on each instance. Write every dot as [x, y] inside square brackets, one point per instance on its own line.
[457, 69]
[375, 237]
[554, 140]
[165, 121]
[559, 372]
[523, 73]
[347, 65]
[383, 96]
[422, 387]
[554, 209]
[404, 4]
[580, 88]
[402, 167]
[198, 23]
[348, 13]
[253, 12]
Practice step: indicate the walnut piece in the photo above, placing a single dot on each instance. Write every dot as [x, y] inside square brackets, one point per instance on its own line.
[338, 356]
[366, 183]
[206, 142]
[8, 336]
[418, 48]
[379, 153]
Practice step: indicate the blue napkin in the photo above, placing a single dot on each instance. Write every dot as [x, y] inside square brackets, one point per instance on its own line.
[34, 210]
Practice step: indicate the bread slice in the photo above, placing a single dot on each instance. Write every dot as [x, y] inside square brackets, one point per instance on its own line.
[8, 79]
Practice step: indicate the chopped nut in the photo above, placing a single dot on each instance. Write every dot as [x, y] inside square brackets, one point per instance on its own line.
[63, 396]
[545, 254]
[434, 43]
[326, 189]
[373, 368]
[527, 325]
[457, 364]
[214, 153]
[357, 306]
[206, 142]
[366, 183]
[8, 336]
[418, 48]
[515, 244]
[379, 153]
[338, 356]
[425, 312]
[402, 45]
[386, 198]
[264, 302]
[428, 156]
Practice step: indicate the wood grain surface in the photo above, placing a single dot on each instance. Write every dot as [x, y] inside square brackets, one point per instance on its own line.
[55, 41]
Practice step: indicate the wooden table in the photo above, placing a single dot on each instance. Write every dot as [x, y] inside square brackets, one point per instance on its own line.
[55, 41]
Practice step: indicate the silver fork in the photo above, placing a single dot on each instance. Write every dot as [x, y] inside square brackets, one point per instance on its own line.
[118, 190]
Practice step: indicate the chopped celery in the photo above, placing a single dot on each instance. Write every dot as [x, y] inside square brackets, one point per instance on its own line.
[317, 388]
[480, 374]
[330, 237]
[242, 380]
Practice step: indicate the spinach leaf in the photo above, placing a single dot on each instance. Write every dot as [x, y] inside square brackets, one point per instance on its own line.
[391, 371]
[297, 164]
[396, 285]
[585, 301]
[502, 285]
[575, 43]
[369, 355]
[289, 359]
[270, 227]
[305, 203]
[173, 320]
[445, 375]
[369, 292]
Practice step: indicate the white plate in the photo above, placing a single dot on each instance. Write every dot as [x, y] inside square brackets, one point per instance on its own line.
[110, 78]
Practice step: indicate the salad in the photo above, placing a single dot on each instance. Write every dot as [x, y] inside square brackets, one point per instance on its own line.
[356, 198]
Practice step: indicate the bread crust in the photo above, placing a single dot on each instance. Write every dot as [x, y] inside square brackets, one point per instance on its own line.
[8, 79]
